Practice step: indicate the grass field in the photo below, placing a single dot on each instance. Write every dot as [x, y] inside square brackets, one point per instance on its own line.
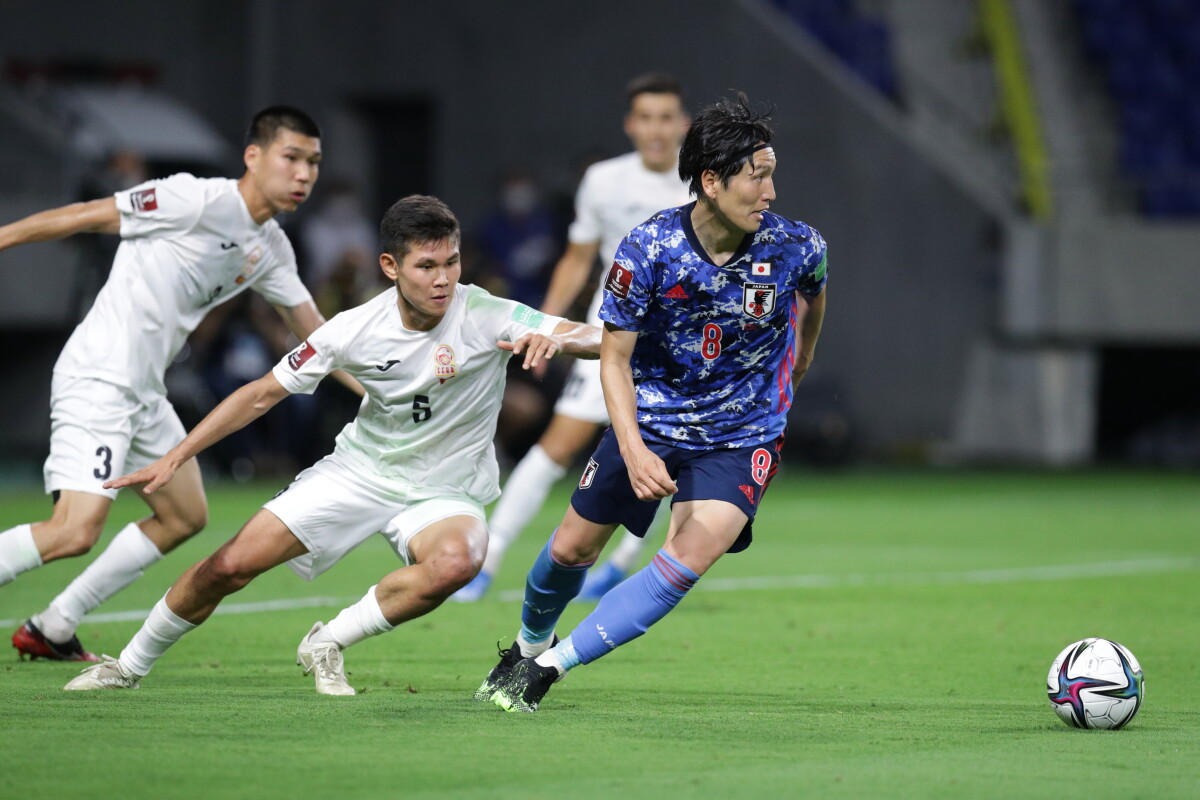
[888, 635]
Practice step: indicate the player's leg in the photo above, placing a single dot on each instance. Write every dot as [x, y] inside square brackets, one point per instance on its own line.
[719, 493]
[180, 510]
[554, 581]
[442, 557]
[700, 532]
[526, 490]
[262, 543]
[74, 526]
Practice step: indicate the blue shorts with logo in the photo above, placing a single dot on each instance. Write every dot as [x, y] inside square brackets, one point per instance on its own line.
[738, 476]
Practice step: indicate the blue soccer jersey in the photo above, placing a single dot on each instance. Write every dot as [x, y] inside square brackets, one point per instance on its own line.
[713, 361]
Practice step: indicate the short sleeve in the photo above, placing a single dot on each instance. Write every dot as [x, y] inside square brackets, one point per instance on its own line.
[155, 208]
[587, 227]
[627, 287]
[281, 285]
[814, 273]
[501, 319]
[302, 369]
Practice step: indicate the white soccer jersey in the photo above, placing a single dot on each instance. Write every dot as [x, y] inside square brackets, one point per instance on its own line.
[426, 424]
[614, 197]
[189, 244]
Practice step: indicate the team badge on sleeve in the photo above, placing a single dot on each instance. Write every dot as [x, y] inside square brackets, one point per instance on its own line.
[297, 357]
[618, 281]
[443, 363]
[758, 299]
[145, 200]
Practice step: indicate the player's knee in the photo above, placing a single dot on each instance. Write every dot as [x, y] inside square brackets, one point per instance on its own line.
[185, 523]
[75, 539]
[224, 572]
[453, 568]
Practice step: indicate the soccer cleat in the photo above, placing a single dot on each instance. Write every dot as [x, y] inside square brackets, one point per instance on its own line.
[324, 660]
[30, 641]
[474, 590]
[599, 581]
[525, 686]
[108, 674]
[500, 672]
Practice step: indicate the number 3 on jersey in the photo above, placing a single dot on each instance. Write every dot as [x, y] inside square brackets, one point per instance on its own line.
[710, 346]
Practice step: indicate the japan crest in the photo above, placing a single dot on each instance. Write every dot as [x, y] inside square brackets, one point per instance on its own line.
[758, 299]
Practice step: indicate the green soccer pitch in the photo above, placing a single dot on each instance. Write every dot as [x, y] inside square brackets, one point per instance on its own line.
[888, 635]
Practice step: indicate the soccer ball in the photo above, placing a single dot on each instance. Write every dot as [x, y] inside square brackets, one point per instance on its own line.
[1095, 683]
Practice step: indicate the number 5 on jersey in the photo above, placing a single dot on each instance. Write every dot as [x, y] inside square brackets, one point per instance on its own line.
[421, 410]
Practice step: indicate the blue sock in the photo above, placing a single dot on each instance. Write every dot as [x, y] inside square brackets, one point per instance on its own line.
[549, 586]
[631, 607]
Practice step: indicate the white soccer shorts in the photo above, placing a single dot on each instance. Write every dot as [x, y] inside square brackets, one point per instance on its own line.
[582, 395]
[99, 431]
[331, 511]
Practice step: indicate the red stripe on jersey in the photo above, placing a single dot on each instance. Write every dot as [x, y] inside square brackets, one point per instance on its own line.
[783, 379]
[672, 575]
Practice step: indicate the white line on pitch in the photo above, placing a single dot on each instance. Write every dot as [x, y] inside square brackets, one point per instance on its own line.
[1102, 569]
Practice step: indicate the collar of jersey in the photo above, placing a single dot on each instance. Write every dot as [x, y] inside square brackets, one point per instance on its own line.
[694, 241]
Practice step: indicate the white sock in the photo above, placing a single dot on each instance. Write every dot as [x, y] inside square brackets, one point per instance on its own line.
[630, 547]
[355, 623]
[533, 649]
[530, 482]
[627, 551]
[161, 629]
[121, 563]
[18, 553]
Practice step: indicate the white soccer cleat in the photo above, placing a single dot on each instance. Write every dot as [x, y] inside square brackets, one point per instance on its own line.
[108, 674]
[324, 660]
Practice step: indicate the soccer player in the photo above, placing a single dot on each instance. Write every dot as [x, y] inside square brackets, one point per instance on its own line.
[704, 339]
[417, 464]
[613, 197]
[188, 245]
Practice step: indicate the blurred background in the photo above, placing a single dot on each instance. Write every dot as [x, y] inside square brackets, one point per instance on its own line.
[1010, 190]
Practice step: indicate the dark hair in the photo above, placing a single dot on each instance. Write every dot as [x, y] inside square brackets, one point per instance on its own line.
[721, 138]
[266, 124]
[652, 83]
[418, 219]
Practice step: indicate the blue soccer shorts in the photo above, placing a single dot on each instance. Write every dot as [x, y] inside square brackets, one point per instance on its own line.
[739, 476]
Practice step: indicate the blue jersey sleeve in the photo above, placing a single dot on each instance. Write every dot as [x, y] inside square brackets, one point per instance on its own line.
[628, 287]
[814, 266]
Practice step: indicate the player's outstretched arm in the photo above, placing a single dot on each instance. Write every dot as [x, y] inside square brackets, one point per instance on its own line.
[808, 334]
[302, 320]
[570, 275]
[233, 413]
[647, 473]
[95, 216]
[570, 338]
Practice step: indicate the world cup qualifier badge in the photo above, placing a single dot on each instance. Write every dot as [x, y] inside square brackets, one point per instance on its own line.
[443, 363]
[758, 299]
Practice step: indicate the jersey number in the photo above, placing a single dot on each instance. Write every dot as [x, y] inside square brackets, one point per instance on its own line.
[760, 465]
[710, 347]
[104, 471]
[421, 409]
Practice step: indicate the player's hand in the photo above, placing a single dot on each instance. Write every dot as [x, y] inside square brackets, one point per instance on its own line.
[538, 348]
[648, 476]
[154, 476]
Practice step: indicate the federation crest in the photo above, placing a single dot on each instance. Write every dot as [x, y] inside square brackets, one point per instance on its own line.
[443, 363]
[758, 299]
[589, 473]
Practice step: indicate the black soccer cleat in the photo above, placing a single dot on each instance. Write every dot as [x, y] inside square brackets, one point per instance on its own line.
[525, 687]
[500, 672]
[31, 642]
